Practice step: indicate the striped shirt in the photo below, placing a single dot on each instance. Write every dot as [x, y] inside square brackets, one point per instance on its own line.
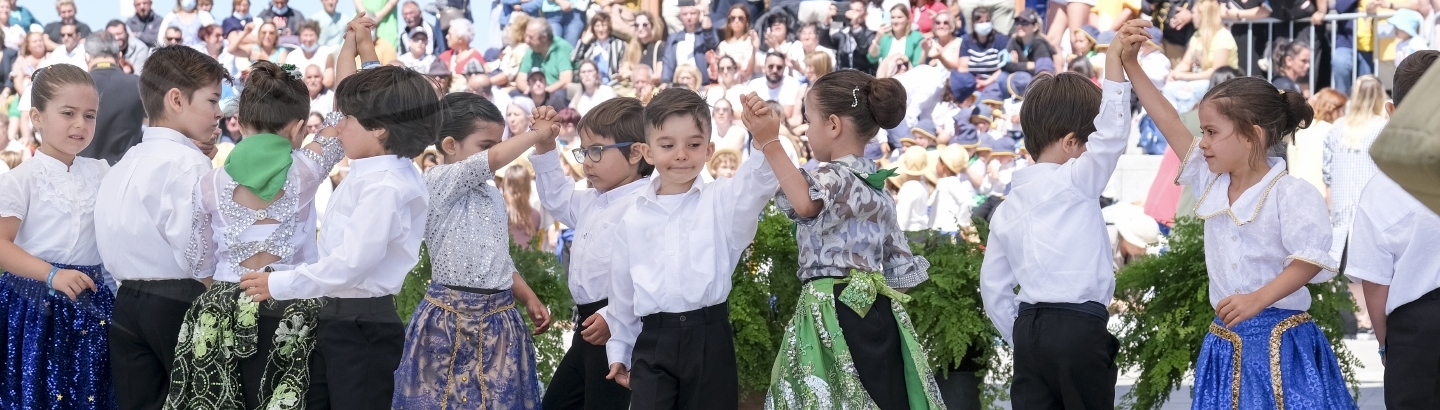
[985, 58]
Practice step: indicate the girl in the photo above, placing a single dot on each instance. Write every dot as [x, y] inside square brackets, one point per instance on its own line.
[467, 325]
[853, 257]
[1265, 238]
[1348, 167]
[51, 296]
[899, 40]
[255, 213]
[524, 219]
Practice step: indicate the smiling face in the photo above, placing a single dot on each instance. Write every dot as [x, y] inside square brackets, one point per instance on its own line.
[122, 37]
[644, 28]
[486, 135]
[808, 38]
[1226, 149]
[67, 13]
[308, 37]
[679, 150]
[410, 12]
[35, 43]
[601, 29]
[68, 122]
[944, 26]
[69, 37]
[899, 22]
[269, 36]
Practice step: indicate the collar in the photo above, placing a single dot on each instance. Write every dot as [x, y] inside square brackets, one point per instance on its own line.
[106, 65]
[653, 186]
[1214, 201]
[50, 163]
[608, 197]
[167, 134]
[362, 166]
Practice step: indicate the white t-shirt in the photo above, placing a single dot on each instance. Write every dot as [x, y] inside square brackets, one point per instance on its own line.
[586, 102]
[785, 94]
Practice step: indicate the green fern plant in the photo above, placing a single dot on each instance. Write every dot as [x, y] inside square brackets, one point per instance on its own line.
[762, 299]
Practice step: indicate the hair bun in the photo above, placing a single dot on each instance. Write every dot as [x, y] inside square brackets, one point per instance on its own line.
[1298, 113]
[887, 99]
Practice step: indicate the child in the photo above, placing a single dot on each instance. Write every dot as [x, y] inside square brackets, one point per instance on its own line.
[1002, 167]
[228, 355]
[144, 227]
[475, 285]
[51, 294]
[1266, 236]
[369, 240]
[1395, 255]
[724, 163]
[678, 247]
[1048, 237]
[10, 159]
[910, 207]
[954, 197]
[617, 174]
[850, 343]
[1407, 24]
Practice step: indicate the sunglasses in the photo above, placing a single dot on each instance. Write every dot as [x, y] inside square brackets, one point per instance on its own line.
[725, 69]
[642, 25]
[173, 39]
[737, 18]
[775, 67]
[594, 153]
[67, 34]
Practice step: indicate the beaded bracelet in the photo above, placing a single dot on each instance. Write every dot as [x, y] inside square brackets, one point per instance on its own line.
[50, 280]
[762, 146]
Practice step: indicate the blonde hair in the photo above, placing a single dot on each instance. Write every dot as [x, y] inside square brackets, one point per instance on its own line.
[1208, 14]
[516, 34]
[721, 157]
[515, 185]
[1367, 103]
[25, 44]
[694, 76]
[63, 3]
[11, 158]
[819, 63]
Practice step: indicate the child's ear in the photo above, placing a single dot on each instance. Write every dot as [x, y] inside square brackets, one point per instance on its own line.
[34, 117]
[710, 151]
[644, 150]
[1389, 108]
[175, 101]
[449, 146]
[836, 124]
[636, 153]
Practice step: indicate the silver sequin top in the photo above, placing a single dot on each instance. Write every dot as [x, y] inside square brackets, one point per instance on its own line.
[224, 233]
[467, 232]
[856, 229]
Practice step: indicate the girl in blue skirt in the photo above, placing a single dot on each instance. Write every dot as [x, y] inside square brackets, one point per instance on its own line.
[52, 300]
[1267, 235]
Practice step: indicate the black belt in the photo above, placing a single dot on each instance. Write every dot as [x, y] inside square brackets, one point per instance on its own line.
[1091, 307]
[473, 290]
[699, 317]
[357, 306]
[815, 278]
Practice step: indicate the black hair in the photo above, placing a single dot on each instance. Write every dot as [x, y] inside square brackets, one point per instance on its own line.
[176, 67]
[1409, 72]
[462, 111]
[1223, 74]
[271, 99]
[620, 119]
[1057, 105]
[396, 99]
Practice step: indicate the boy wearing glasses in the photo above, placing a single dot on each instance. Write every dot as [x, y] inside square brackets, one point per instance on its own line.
[616, 173]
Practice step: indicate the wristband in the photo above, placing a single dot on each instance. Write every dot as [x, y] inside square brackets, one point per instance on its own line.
[50, 280]
[1382, 352]
[369, 65]
[762, 146]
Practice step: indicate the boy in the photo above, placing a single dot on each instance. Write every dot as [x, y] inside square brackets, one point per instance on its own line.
[675, 253]
[143, 228]
[1395, 255]
[617, 173]
[369, 240]
[1049, 238]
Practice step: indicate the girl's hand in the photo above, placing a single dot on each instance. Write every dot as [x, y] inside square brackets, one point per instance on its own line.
[1240, 307]
[545, 122]
[596, 332]
[619, 374]
[256, 284]
[72, 283]
[759, 119]
[539, 314]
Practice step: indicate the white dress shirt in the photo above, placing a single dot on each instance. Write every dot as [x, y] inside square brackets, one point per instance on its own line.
[1395, 241]
[912, 206]
[680, 250]
[594, 215]
[226, 233]
[951, 203]
[144, 227]
[56, 207]
[1278, 220]
[385, 198]
[1048, 236]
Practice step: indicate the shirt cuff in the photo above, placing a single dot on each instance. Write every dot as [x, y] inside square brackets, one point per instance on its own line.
[618, 351]
[285, 285]
[1116, 92]
[1354, 272]
[548, 161]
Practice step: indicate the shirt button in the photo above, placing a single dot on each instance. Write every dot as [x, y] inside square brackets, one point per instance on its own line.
[1234, 266]
[1235, 238]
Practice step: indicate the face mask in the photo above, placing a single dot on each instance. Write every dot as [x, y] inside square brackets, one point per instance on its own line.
[280, 10]
[310, 48]
[241, 16]
[984, 29]
[187, 5]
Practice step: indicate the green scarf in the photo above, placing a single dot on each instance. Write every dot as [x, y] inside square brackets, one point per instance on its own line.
[876, 179]
[261, 162]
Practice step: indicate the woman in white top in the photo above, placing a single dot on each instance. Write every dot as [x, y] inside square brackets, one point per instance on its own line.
[1306, 153]
[312, 53]
[592, 91]
[51, 294]
[189, 20]
[255, 213]
[739, 41]
[727, 133]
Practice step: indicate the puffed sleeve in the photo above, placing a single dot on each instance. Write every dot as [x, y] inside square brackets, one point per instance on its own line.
[1305, 227]
[823, 185]
[14, 196]
[1193, 170]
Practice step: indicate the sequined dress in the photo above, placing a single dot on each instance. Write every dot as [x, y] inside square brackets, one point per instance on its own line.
[57, 354]
[855, 243]
[1279, 358]
[466, 350]
[224, 326]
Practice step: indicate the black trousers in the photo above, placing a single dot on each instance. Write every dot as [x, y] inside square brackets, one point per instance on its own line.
[1064, 359]
[685, 361]
[357, 350]
[875, 346]
[143, 333]
[579, 381]
[1412, 363]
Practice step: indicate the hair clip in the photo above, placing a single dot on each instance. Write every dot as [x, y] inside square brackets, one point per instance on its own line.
[853, 94]
[293, 72]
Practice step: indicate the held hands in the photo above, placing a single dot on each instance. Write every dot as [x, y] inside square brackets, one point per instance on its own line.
[760, 120]
[546, 125]
[596, 332]
[619, 374]
[1131, 37]
[1240, 307]
[256, 284]
[72, 283]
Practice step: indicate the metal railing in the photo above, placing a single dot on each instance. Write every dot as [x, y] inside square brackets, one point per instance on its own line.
[1332, 21]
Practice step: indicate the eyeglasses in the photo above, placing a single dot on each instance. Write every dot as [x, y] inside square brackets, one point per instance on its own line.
[737, 18]
[725, 69]
[775, 67]
[642, 25]
[593, 153]
[67, 34]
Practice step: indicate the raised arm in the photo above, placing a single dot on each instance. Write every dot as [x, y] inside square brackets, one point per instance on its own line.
[1160, 109]
[765, 125]
[545, 127]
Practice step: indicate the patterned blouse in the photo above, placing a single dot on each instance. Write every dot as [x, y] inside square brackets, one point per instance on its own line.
[1347, 169]
[468, 231]
[856, 229]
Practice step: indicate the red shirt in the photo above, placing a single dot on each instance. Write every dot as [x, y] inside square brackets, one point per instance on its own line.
[457, 66]
[925, 15]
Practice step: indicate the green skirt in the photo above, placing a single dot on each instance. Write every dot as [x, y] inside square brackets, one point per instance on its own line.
[815, 370]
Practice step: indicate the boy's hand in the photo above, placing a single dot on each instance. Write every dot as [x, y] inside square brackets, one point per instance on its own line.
[596, 332]
[1131, 37]
[619, 374]
[545, 122]
[256, 284]
[72, 283]
[759, 119]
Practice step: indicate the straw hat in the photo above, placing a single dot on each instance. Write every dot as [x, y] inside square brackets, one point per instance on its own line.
[914, 162]
[576, 167]
[920, 133]
[954, 157]
[1133, 224]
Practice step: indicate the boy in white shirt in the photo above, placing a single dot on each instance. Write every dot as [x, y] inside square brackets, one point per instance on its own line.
[1395, 255]
[1049, 238]
[144, 216]
[675, 254]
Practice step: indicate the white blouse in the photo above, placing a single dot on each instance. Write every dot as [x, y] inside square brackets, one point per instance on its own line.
[1278, 220]
[225, 233]
[56, 207]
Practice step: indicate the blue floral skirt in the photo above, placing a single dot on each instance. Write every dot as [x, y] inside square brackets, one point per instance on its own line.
[57, 354]
[467, 351]
[1278, 359]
